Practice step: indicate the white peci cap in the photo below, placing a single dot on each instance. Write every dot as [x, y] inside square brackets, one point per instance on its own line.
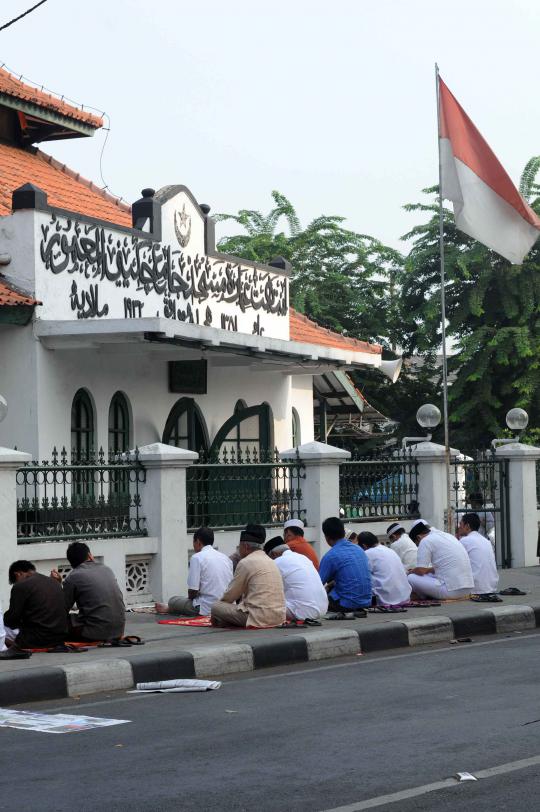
[294, 523]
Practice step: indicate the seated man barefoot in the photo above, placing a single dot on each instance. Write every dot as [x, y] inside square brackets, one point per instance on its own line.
[481, 555]
[94, 589]
[37, 616]
[443, 569]
[388, 577]
[210, 573]
[346, 566]
[305, 596]
[257, 584]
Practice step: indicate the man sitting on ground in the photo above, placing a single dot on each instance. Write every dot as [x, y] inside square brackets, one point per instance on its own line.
[305, 596]
[293, 532]
[443, 569]
[481, 555]
[94, 589]
[210, 573]
[257, 583]
[402, 545]
[388, 577]
[346, 567]
[36, 617]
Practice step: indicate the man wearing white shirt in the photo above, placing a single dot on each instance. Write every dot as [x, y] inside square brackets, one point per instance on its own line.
[402, 545]
[388, 578]
[480, 552]
[443, 570]
[210, 573]
[305, 595]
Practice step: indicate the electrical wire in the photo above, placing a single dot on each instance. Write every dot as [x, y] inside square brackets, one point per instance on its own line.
[16, 19]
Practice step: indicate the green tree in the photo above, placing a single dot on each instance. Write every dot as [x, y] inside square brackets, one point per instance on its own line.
[346, 281]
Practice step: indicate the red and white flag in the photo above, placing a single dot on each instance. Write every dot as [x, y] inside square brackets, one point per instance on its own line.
[487, 205]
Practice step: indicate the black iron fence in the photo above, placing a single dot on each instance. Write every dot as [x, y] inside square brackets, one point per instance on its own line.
[242, 486]
[382, 485]
[96, 497]
[479, 484]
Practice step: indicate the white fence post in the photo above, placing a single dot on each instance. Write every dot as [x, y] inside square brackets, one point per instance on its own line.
[432, 481]
[521, 501]
[320, 488]
[10, 461]
[163, 498]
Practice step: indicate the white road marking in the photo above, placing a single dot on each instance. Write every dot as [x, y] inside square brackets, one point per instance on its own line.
[414, 792]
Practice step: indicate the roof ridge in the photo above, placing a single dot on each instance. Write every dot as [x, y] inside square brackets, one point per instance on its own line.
[332, 333]
[76, 176]
[12, 85]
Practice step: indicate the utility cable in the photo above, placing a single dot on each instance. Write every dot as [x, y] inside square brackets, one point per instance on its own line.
[16, 19]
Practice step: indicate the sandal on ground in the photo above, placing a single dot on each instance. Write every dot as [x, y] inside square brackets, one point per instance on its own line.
[340, 616]
[311, 622]
[488, 597]
[512, 590]
[15, 653]
[133, 640]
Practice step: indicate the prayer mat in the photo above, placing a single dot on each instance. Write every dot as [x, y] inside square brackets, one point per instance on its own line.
[204, 620]
[421, 604]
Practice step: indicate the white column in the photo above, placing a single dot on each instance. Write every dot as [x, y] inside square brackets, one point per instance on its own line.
[163, 498]
[523, 522]
[10, 461]
[320, 488]
[432, 481]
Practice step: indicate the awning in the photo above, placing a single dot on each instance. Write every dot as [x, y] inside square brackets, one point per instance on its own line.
[346, 412]
[173, 339]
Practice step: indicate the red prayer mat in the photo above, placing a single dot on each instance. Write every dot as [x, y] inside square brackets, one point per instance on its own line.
[205, 621]
[188, 621]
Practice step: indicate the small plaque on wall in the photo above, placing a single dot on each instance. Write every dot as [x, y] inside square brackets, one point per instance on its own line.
[188, 377]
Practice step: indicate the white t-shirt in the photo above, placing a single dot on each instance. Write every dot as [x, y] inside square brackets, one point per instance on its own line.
[210, 572]
[407, 551]
[305, 596]
[388, 577]
[449, 559]
[484, 568]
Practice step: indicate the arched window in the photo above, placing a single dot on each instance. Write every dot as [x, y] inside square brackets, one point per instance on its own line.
[248, 430]
[185, 427]
[296, 432]
[119, 436]
[82, 427]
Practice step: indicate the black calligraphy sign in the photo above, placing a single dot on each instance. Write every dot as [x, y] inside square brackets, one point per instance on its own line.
[99, 255]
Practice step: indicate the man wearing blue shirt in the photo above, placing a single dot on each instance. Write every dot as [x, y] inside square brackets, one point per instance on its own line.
[346, 566]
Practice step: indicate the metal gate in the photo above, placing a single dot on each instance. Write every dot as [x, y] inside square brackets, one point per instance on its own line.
[480, 485]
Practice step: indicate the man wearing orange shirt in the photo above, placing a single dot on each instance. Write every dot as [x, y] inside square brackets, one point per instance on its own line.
[293, 533]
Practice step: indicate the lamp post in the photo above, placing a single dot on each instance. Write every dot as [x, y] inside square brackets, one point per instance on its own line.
[428, 416]
[517, 420]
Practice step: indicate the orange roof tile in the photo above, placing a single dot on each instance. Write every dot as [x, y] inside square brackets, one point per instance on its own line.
[309, 332]
[65, 189]
[11, 297]
[14, 87]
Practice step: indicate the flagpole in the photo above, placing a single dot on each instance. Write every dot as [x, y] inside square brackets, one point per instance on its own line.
[449, 522]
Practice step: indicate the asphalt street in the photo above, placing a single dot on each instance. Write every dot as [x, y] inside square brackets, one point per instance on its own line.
[315, 737]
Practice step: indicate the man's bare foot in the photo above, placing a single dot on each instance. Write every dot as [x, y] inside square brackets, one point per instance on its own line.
[161, 608]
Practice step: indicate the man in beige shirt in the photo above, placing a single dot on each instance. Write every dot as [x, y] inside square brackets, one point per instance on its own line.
[257, 582]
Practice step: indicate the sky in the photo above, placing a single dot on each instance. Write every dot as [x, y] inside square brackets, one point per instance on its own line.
[331, 103]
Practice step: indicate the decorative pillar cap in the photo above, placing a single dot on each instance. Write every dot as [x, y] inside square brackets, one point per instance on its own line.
[316, 451]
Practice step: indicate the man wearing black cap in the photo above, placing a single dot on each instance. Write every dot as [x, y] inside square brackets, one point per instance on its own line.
[257, 584]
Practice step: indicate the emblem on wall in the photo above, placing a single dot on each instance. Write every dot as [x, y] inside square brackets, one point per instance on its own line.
[182, 226]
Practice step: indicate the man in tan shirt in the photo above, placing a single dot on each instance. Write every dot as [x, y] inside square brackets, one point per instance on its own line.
[257, 582]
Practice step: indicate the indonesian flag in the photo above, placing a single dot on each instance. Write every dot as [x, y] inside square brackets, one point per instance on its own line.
[487, 205]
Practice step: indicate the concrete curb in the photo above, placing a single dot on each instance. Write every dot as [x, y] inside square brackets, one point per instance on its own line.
[79, 678]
